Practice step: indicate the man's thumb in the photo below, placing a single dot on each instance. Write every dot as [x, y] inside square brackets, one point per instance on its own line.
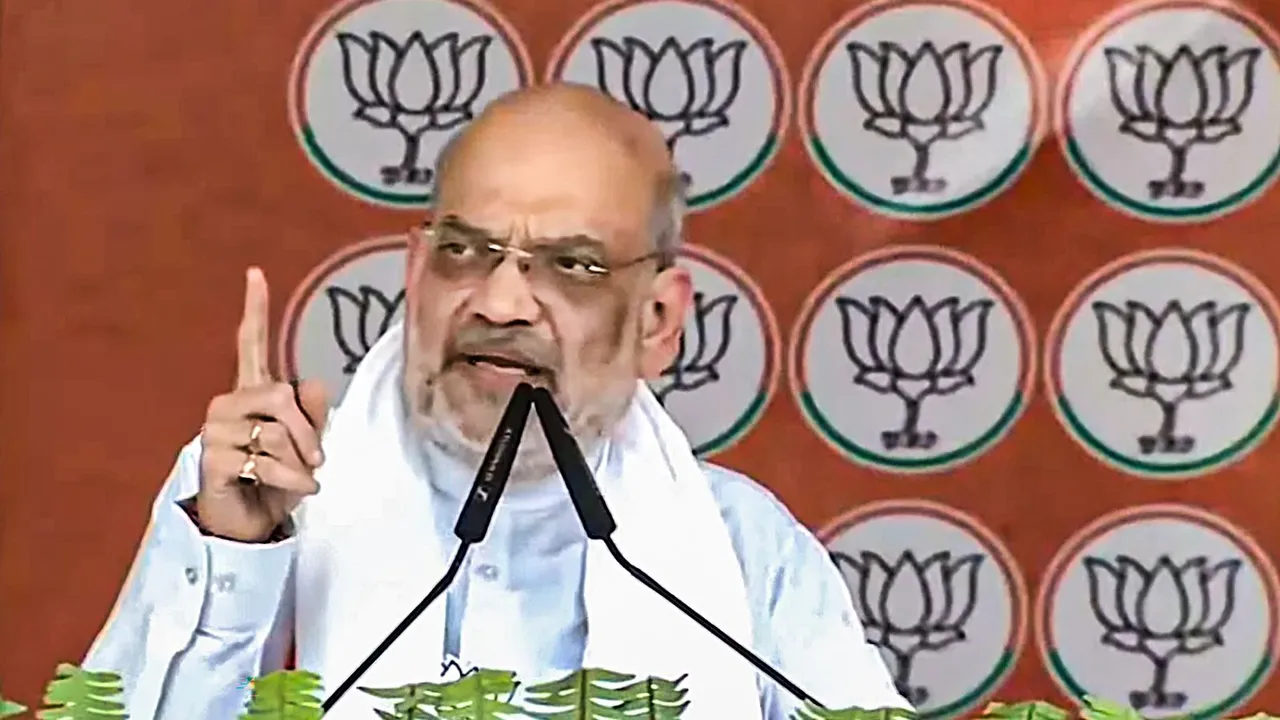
[314, 402]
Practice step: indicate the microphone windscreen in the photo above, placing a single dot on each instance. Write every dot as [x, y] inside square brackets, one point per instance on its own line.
[596, 519]
[495, 469]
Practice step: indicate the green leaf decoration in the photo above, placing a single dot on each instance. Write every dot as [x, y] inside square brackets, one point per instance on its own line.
[813, 712]
[78, 694]
[1096, 708]
[8, 708]
[416, 701]
[654, 698]
[1038, 710]
[481, 694]
[285, 695]
[588, 694]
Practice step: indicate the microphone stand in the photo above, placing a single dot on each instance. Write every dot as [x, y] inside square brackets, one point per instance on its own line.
[724, 637]
[599, 524]
[471, 528]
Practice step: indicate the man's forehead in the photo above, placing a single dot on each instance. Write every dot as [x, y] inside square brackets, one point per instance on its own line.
[570, 160]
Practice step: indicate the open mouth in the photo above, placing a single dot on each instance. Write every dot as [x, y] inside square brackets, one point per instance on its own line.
[506, 365]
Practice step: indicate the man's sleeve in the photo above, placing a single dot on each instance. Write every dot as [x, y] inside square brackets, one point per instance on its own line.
[819, 639]
[197, 616]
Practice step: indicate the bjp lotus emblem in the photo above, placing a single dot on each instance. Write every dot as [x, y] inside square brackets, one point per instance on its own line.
[923, 97]
[413, 87]
[380, 86]
[911, 605]
[1170, 357]
[687, 90]
[914, 352]
[1180, 101]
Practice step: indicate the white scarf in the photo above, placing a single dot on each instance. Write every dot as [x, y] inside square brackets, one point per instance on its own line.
[368, 551]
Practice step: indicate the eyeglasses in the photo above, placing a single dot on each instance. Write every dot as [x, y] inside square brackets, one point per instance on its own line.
[463, 253]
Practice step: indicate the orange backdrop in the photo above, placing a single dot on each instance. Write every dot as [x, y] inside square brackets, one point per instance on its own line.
[147, 156]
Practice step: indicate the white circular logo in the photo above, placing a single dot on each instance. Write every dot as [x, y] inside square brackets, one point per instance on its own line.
[341, 309]
[1163, 608]
[725, 372]
[913, 359]
[922, 108]
[379, 86]
[705, 71]
[1164, 363]
[1168, 109]
[938, 594]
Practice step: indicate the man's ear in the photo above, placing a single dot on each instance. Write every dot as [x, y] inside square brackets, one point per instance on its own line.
[663, 320]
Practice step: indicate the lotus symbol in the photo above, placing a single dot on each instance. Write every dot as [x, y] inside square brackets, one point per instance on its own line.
[913, 352]
[1169, 357]
[1179, 101]
[360, 318]
[923, 97]
[1160, 612]
[413, 87]
[698, 359]
[909, 605]
[686, 90]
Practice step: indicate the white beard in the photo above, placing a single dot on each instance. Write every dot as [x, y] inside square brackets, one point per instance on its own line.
[533, 458]
[440, 426]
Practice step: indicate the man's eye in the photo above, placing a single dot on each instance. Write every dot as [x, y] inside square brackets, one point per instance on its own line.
[578, 264]
[454, 248]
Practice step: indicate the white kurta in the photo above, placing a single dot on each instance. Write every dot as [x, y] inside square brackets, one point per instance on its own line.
[199, 616]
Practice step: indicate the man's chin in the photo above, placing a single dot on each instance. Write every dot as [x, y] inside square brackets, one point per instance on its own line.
[467, 438]
[467, 411]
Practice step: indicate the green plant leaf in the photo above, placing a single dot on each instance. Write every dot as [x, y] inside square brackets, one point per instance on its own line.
[587, 694]
[1096, 708]
[655, 698]
[78, 694]
[813, 712]
[285, 695]
[9, 708]
[1038, 710]
[415, 701]
[480, 695]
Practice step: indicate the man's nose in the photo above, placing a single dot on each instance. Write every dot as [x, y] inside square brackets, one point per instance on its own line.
[505, 297]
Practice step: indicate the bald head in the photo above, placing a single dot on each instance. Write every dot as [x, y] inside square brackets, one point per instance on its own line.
[566, 128]
[560, 113]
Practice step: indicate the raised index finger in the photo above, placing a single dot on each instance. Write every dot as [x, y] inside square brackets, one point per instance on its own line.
[252, 338]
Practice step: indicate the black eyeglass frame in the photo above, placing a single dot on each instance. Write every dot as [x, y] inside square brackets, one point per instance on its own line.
[501, 250]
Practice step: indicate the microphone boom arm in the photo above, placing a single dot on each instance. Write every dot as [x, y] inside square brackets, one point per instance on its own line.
[598, 523]
[445, 581]
[706, 624]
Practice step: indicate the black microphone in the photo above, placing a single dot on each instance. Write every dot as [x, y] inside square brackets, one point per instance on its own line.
[473, 520]
[599, 524]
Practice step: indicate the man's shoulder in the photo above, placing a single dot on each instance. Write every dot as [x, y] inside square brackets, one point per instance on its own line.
[763, 530]
[739, 494]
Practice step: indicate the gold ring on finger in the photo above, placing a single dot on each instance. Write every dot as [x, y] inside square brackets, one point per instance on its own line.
[247, 469]
[255, 439]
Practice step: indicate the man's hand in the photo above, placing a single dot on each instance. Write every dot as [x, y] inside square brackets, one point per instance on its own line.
[287, 446]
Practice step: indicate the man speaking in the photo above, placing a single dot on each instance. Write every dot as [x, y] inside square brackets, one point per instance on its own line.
[550, 260]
